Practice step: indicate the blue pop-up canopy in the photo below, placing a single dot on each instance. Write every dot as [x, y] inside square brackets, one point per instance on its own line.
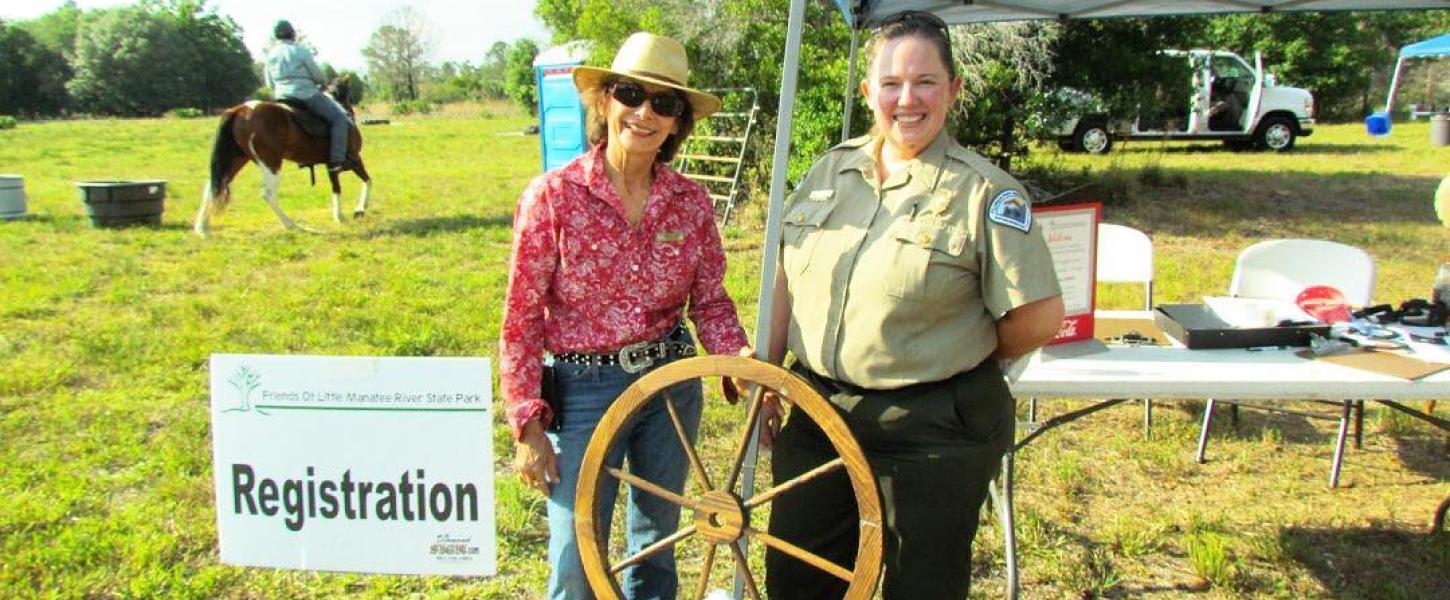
[1379, 123]
[1436, 46]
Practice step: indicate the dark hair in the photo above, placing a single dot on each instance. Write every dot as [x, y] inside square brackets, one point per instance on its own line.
[913, 23]
[283, 31]
[596, 121]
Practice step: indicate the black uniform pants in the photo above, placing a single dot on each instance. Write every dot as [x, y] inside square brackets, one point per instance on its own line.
[933, 448]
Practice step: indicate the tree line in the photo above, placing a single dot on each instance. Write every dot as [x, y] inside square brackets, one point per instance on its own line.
[161, 55]
[1013, 71]
[127, 61]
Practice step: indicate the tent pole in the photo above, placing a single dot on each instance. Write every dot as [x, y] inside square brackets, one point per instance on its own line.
[1394, 85]
[784, 120]
[847, 96]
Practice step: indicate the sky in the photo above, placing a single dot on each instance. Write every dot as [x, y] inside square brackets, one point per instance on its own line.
[464, 29]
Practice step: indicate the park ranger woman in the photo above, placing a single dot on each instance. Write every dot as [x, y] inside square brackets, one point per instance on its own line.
[910, 268]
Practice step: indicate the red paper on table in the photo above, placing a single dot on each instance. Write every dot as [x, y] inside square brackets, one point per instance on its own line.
[1071, 231]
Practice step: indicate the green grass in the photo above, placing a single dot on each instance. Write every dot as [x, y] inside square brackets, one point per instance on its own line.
[106, 489]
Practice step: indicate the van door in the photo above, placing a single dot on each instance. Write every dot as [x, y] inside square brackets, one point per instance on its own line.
[1256, 97]
[1202, 80]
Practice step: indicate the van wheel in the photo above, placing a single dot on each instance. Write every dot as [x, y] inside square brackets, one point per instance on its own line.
[1277, 134]
[1092, 138]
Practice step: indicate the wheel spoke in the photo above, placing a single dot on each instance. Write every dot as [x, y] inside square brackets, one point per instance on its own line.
[656, 490]
[743, 567]
[652, 550]
[838, 463]
[705, 571]
[801, 554]
[752, 415]
[695, 465]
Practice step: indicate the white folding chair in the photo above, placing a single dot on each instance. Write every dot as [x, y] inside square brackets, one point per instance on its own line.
[1125, 255]
[1279, 270]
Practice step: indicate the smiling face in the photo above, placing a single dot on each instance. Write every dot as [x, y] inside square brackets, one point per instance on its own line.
[909, 90]
[639, 130]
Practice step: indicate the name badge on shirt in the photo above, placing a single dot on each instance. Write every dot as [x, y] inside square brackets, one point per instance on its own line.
[941, 200]
[821, 195]
[669, 236]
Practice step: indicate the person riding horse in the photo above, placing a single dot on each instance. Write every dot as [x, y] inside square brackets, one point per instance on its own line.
[292, 73]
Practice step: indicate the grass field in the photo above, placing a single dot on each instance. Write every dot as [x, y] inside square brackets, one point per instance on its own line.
[106, 486]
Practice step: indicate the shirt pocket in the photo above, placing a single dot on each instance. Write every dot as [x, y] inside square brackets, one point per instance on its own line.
[926, 255]
[801, 231]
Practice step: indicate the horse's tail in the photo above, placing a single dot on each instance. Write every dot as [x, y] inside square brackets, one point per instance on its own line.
[223, 153]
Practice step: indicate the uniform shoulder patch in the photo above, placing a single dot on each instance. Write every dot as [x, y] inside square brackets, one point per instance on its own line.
[1011, 208]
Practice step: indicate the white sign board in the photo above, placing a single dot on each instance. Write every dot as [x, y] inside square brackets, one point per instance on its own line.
[375, 465]
[1071, 234]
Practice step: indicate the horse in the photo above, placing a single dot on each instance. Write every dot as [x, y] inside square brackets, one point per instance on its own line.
[266, 133]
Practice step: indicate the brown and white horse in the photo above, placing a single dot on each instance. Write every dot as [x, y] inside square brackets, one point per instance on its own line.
[265, 133]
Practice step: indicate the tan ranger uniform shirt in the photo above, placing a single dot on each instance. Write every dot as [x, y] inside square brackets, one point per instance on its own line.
[904, 284]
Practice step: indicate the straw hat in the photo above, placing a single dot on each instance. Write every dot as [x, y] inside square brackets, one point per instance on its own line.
[653, 59]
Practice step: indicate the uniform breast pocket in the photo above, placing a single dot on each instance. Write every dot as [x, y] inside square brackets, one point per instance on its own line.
[928, 258]
[800, 232]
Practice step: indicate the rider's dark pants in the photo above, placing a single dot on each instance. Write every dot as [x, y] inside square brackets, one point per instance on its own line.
[337, 123]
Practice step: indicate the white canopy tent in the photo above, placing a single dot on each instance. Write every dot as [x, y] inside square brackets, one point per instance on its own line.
[863, 14]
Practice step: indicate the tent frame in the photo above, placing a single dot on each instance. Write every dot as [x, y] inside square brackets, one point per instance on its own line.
[862, 14]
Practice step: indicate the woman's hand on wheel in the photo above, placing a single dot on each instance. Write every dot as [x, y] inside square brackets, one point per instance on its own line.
[772, 415]
[534, 459]
[733, 388]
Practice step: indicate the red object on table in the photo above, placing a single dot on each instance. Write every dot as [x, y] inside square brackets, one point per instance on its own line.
[1324, 303]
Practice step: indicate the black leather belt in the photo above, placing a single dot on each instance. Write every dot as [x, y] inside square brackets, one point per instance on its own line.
[634, 357]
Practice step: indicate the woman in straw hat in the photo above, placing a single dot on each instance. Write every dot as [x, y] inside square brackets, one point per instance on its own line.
[607, 252]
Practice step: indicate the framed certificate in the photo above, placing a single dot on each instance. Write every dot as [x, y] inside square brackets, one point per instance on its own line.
[1071, 231]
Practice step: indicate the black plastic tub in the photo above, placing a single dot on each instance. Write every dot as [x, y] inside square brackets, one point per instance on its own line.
[124, 203]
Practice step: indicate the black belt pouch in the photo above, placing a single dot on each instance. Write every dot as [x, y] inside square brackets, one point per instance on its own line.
[549, 390]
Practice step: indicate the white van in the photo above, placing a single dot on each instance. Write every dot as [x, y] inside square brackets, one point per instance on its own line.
[1230, 101]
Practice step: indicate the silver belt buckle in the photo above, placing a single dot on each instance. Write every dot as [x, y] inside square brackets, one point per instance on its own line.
[627, 363]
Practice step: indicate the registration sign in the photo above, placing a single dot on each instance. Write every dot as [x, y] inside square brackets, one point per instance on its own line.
[1071, 231]
[364, 464]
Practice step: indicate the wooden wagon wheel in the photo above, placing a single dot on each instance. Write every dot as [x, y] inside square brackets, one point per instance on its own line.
[721, 517]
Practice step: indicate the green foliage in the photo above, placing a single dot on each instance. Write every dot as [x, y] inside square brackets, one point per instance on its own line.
[357, 87]
[7, 122]
[1343, 58]
[147, 59]
[32, 75]
[397, 53]
[1211, 558]
[57, 29]
[519, 82]
[407, 107]
[1118, 61]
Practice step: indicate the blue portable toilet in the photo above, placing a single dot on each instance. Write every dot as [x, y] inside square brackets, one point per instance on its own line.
[561, 110]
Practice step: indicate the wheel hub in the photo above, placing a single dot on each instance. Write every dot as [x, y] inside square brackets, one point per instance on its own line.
[720, 517]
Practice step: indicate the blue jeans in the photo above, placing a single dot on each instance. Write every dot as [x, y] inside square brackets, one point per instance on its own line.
[337, 123]
[653, 448]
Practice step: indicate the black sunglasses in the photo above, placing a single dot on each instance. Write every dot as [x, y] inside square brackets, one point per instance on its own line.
[665, 104]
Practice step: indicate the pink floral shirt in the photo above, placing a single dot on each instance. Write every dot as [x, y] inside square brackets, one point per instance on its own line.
[582, 280]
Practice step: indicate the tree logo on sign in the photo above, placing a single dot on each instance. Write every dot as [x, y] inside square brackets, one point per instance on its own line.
[245, 380]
